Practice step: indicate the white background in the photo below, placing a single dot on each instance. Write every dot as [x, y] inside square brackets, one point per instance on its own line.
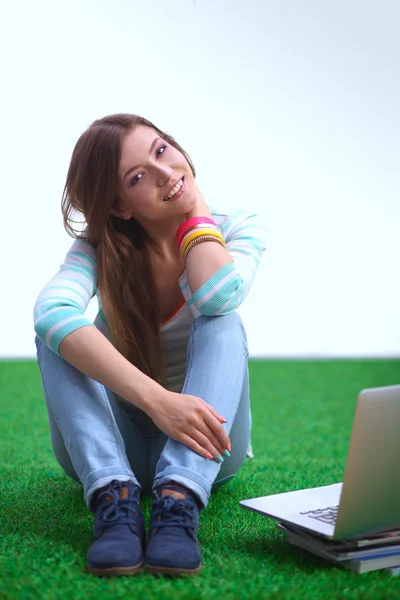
[287, 107]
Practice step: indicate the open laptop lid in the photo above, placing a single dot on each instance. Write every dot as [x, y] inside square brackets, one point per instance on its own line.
[370, 498]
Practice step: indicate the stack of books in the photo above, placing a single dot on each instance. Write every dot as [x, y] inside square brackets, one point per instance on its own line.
[362, 555]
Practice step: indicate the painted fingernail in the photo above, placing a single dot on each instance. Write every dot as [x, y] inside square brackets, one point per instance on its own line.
[209, 455]
[219, 458]
[227, 453]
[229, 447]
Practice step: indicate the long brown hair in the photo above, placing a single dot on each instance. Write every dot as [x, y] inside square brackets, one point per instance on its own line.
[126, 280]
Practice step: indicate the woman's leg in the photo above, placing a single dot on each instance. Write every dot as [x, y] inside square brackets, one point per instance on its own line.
[90, 432]
[239, 436]
[101, 443]
[217, 372]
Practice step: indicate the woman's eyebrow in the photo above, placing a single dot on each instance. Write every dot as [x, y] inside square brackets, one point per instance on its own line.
[153, 143]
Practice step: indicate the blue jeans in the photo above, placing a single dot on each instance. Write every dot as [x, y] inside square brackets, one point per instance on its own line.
[97, 436]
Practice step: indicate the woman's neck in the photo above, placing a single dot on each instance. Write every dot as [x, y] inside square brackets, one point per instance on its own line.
[163, 236]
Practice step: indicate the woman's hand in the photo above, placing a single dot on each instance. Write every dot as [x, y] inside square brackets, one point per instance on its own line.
[193, 422]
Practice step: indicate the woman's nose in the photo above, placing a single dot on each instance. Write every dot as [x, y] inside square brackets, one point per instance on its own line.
[164, 174]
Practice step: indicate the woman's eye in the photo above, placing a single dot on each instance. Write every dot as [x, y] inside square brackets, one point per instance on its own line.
[135, 179]
[139, 176]
[161, 150]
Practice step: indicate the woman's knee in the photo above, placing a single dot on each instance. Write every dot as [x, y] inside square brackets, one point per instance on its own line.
[227, 328]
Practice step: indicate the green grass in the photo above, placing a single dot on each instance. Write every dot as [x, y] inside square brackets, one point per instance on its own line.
[302, 413]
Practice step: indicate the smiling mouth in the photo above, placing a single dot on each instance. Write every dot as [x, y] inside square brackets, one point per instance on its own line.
[177, 190]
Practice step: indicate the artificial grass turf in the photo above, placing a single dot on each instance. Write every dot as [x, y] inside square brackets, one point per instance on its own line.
[302, 416]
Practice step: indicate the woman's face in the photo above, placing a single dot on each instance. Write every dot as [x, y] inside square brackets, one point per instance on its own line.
[155, 179]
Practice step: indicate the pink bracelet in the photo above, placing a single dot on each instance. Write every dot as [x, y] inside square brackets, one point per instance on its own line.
[189, 223]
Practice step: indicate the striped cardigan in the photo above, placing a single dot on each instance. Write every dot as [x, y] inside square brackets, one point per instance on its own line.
[61, 305]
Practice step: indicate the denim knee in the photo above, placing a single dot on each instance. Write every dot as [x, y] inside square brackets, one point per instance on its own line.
[227, 328]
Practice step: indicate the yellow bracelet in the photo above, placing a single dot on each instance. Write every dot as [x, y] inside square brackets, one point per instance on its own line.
[199, 240]
[196, 232]
[200, 232]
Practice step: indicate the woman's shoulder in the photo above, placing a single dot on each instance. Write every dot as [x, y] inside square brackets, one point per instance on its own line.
[82, 251]
[228, 221]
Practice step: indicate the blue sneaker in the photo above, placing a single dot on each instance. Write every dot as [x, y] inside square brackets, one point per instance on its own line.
[173, 548]
[119, 533]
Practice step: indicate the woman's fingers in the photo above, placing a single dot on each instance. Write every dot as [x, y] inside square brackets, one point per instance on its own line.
[218, 431]
[208, 441]
[206, 433]
[195, 446]
[191, 421]
[201, 444]
[212, 410]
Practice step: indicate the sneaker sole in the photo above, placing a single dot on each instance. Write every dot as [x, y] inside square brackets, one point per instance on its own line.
[173, 571]
[112, 571]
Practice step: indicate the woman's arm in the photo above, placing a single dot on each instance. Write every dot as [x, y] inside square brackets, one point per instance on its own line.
[61, 305]
[220, 278]
[206, 258]
[61, 324]
[89, 351]
[186, 419]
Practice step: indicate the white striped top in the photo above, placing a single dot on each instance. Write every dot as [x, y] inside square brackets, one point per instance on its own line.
[60, 307]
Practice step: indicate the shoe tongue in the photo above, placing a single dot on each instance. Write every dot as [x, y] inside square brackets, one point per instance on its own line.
[124, 493]
[174, 493]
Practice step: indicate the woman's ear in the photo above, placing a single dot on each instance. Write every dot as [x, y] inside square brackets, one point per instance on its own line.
[121, 213]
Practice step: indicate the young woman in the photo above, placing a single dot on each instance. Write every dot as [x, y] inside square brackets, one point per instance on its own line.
[153, 396]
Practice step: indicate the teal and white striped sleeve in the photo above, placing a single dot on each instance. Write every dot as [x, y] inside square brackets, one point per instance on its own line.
[61, 305]
[225, 291]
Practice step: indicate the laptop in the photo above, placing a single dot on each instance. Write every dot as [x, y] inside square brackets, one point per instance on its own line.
[368, 500]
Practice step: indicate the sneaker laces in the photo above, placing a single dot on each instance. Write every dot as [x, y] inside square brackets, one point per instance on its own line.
[115, 510]
[174, 512]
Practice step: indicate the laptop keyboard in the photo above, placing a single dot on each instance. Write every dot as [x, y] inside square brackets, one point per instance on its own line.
[326, 515]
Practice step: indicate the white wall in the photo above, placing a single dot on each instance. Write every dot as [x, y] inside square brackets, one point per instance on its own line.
[290, 107]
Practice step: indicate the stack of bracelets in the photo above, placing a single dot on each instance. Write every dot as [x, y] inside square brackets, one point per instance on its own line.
[197, 230]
